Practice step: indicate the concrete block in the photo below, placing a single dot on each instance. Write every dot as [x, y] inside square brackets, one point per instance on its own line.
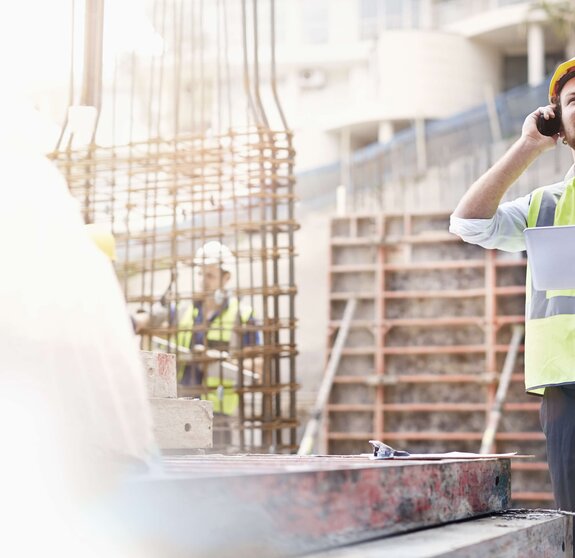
[183, 423]
[528, 534]
[160, 373]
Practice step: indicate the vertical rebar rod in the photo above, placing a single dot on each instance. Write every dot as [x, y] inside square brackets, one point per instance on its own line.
[268, 435]
[230, 123]
[251, 114]
[177, 23]
[93, 45]
[130, 162]
[150, 183]
[246, 75]
[273, 76]
[71, 74]
[274, 190]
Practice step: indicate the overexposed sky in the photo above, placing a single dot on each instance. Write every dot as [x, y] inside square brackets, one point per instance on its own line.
[36, 45]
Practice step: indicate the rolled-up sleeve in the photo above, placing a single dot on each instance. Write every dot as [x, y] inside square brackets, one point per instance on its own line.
[503, 231]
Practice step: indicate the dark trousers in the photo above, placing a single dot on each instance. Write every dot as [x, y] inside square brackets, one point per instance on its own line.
[558, 422]
[557, 416]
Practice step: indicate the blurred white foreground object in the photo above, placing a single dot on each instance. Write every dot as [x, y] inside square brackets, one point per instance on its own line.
[73, 401]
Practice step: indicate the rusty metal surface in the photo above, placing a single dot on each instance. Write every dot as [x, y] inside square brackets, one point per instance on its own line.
[290, 505]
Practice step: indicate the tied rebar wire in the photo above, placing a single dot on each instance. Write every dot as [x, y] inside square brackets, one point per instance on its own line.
[183, 156]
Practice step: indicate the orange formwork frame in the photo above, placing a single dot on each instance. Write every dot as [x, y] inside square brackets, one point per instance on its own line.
[367, 254]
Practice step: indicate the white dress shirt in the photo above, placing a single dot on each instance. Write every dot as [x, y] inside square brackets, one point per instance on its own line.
[504, 230]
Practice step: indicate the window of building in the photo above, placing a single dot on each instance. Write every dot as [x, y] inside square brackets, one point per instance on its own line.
[368, 19]
[378, 15]
[515, 70]
[264, 22]
[449, 11]
[393, 13]
[315, 21]
[280, 20]
[507, 2]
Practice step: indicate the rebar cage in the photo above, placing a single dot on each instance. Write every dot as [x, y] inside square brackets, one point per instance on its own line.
[181, 150]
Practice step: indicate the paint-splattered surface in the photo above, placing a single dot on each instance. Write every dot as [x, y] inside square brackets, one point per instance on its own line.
[292, 504]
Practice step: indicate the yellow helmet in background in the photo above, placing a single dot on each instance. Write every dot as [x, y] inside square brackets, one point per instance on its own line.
[103, 239]
[560, 78]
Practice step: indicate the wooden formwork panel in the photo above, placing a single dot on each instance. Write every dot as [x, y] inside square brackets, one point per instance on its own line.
[245, 506]
[427, 343]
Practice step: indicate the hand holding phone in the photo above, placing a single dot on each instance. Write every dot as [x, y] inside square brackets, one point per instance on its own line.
[549, 127]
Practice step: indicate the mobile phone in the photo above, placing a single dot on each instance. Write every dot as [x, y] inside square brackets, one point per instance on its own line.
[550, 127]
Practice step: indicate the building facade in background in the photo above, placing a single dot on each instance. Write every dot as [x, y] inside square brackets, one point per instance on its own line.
[355, 72]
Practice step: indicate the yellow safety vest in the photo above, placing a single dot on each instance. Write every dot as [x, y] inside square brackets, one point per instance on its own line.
[220, 331]
[549, 315]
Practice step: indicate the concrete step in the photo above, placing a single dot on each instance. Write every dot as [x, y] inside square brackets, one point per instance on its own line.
[511, 534]
[182, 423]
[160, 374]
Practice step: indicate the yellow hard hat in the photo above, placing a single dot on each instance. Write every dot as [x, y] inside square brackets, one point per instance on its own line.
[103, 239]
[558, 80]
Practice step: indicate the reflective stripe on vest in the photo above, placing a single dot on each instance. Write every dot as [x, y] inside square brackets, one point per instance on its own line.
[550, 315]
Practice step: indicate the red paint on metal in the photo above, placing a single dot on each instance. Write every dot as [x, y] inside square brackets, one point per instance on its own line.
[166, 362]
[350, 498]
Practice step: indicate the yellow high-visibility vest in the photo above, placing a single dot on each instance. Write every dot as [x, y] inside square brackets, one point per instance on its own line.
[220, 330]
[549, 315]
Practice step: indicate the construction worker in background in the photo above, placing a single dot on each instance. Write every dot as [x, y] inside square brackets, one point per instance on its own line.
[209, 328]
[479, 218]
[209, 332]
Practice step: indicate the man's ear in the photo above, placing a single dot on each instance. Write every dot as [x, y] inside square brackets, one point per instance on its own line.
[226, 277]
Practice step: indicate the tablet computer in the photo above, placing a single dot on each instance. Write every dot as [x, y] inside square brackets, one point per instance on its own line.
[551, 255]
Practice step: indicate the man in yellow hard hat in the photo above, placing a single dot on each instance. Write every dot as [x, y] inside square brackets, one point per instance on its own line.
[481, 219]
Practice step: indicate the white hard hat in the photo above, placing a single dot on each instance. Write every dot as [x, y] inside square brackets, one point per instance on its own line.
[214, 252]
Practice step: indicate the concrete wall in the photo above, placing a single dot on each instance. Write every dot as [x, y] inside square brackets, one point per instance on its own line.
[438, 74]
[312, 304]
[409, 74]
